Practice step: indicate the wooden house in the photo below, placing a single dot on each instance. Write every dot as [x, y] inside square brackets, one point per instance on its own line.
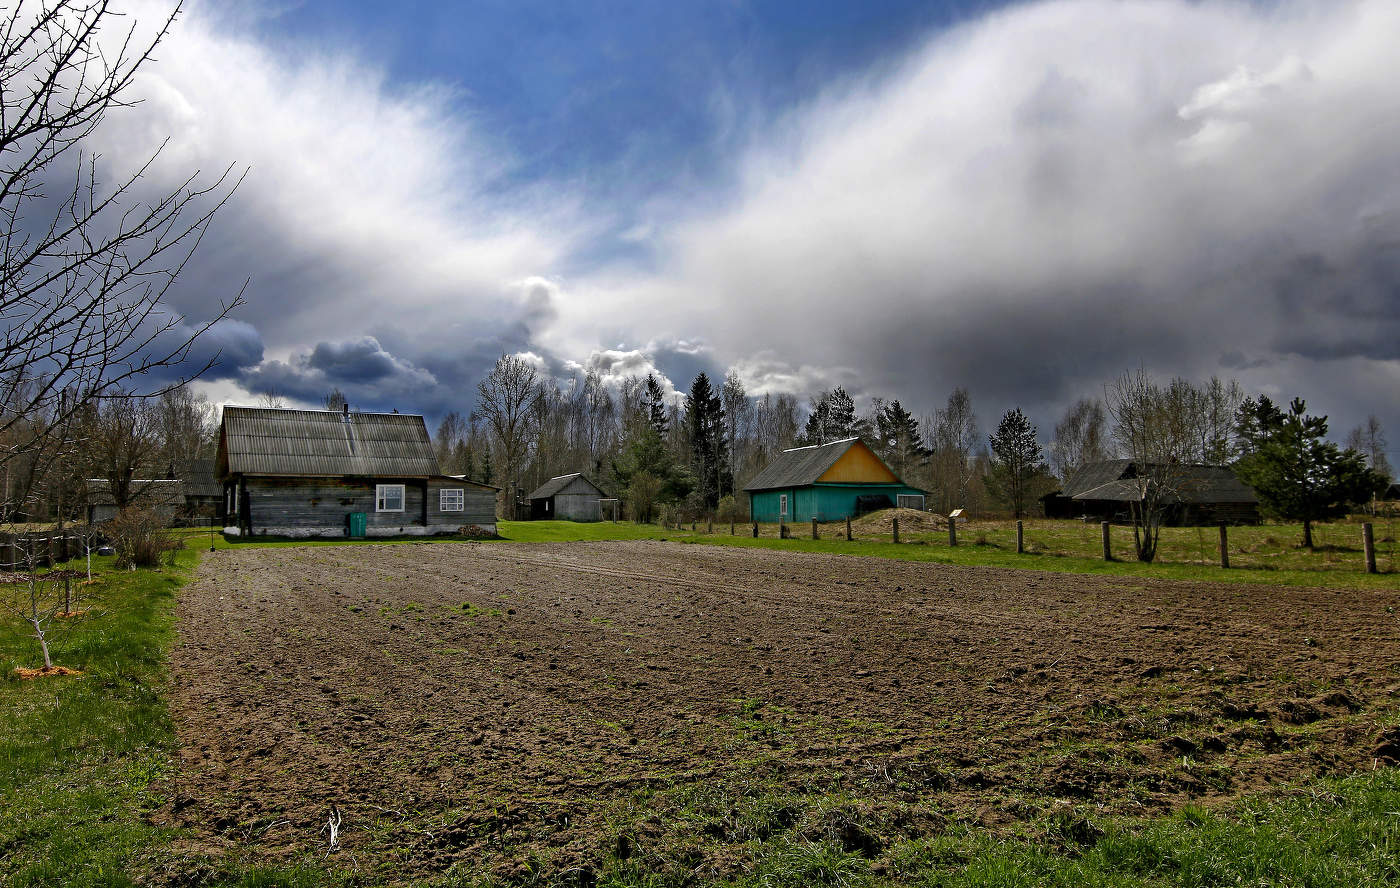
[165, 496]
[1199, 495]
[317, 473]
[567, 498]
[828, 482]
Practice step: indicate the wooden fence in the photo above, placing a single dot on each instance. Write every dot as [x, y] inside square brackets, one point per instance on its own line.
[18, 551]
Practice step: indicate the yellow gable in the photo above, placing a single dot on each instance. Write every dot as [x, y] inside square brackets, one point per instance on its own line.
[859, 465]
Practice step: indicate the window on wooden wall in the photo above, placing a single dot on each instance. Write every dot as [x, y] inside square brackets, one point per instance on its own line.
[388, 497]
[451, 499]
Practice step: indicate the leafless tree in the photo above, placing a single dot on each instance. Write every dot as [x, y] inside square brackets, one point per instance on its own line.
[449, 442]
[186, 426]
[85, 264]
[1368, 440]
[506, 400]
[1081, 437]
[1155, 427]
[738, 416]
[335, 400]
[950, 439]
[123, 443]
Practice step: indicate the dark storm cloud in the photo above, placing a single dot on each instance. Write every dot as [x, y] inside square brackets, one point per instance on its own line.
[1037, 203]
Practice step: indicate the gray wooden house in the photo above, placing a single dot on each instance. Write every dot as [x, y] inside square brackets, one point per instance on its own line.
[318, 473]
[567, 498]
[165, 496]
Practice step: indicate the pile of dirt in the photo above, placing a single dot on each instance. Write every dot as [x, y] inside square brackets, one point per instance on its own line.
[910, 521]
[45, 672]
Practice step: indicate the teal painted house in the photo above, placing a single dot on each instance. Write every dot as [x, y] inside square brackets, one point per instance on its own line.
[828, 482]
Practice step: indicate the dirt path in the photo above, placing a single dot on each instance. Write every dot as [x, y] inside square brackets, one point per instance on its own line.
[421, 688]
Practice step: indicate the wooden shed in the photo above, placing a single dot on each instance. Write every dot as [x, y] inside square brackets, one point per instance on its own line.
[827, 482]
[567, 498]
[1200, 495]
[314, 473]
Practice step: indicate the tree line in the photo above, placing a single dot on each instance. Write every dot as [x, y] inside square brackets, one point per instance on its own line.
[691, 453]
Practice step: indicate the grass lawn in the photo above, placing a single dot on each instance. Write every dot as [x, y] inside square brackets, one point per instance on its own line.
[1268, 554]
[81, 762]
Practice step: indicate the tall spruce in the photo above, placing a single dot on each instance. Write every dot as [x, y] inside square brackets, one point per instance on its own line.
[655, 399]
[833, 418]
[897, 437]
[1298, 474]
[1016, 459]
[704, 417]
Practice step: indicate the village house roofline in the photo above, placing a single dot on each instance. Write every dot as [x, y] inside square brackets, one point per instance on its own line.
[271, 441]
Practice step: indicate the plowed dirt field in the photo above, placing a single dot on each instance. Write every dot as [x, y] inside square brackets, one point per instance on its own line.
[513, 709]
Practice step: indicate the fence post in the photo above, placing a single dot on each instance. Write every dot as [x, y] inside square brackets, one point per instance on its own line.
[894, 528]
[952, 531]
[1020, 538]
[1107, 543]
[1368, 543]
[731, 527]
[814, 528]
[755, 530]
[710, 528]
[1224, 547]
[848, 528]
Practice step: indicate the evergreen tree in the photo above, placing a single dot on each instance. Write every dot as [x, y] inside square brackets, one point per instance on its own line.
[655, 400]
[646, 454]
[709, 462]
[1254, 422]
[897, 437]
[1297, 473]
[833, 418]
[1015, 459]
[487, 470]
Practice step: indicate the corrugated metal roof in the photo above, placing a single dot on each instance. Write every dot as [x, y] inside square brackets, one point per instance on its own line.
[801, 466]
[558, 483]
[199, 478]
[1191, 484]
[1095, 474]
[273, 441]
[143, 491]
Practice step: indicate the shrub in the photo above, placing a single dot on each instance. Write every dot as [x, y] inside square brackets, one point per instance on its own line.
[667, 515]
[729, 510]
[140, 538]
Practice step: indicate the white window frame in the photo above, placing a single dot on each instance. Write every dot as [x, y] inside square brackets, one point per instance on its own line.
[381, 492]
[459, 499]
[782, 505]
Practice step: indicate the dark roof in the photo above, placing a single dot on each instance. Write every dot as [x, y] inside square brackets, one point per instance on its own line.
[556, 484]
[1095, 474]
[146, 491]
[199, 478]
[273, 441]
[802, 466]
[1193, 484]
[463, 479]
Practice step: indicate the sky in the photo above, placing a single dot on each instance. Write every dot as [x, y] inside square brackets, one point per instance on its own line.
[1022, 199]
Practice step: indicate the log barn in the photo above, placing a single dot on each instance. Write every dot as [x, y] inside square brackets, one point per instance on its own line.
[1200, 495]
[326, 473]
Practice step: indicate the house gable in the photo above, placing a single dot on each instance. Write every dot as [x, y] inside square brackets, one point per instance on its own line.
[858, 465]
